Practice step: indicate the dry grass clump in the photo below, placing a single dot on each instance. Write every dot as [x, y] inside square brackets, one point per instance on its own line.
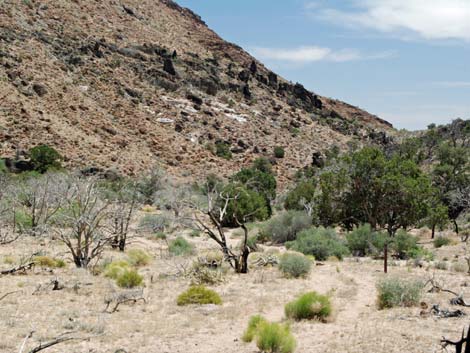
[139, 257]
[48, 262]
[309, 306]
[270, 337]
[441, 241]
[198, 295]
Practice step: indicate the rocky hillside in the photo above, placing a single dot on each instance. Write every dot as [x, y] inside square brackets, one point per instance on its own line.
[130, 84]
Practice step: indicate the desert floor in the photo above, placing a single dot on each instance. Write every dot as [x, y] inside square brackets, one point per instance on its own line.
[159, 325]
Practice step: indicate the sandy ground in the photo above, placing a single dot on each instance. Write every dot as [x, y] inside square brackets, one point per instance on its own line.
[162, 326]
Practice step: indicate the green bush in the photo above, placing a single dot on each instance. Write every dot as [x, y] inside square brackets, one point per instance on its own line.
[404, 244]
[129, 278]
[116, 268]
[3, 167]
[23, 220]
[363, 241]
[294, 265]
[45, 158]
[198, 295]
[420, 253]
[285, 226]
[222, 149]
[319, 242]
[180, 247]
[252, 328]
[270, 337]
[309, 306]
[275, 338]
[441, 241]
[394, 292]
[195, 233]
[302, 192]
[139, 257]
[279, 152]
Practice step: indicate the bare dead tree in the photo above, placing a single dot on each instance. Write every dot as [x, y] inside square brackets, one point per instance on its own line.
[7, 234]
[85, 229]
[217, 205]
[122, 209]
[41, 198]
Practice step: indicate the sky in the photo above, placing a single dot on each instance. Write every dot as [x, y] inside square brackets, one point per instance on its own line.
[407, 61]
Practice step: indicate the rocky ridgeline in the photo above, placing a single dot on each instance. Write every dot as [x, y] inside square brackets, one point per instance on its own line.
[128, 86]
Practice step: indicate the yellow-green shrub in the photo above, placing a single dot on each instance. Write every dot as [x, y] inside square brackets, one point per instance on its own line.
[198, 295]
[139, 257]
[309, 306]
[130, 278]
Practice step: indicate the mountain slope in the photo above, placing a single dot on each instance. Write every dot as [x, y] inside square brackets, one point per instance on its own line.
[130, 84]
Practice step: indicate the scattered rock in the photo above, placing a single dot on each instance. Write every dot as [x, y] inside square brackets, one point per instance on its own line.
[168, 66]
[40, 89]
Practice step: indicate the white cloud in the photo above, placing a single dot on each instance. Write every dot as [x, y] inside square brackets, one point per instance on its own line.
[306, 54]
[430, 19]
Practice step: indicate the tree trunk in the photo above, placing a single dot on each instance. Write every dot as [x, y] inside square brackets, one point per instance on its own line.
[386, 257]
[456, 226]
[243, 261]
[433, 231]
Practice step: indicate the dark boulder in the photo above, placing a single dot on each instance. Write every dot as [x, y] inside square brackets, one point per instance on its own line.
[40, 89]
[318, 160]
[247, 91]
[253, 67]
[244, 75]
[169, 67]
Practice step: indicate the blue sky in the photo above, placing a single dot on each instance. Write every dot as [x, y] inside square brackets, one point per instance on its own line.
[405, 60]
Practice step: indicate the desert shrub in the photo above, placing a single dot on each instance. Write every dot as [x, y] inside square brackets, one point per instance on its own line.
[309, 306]
[10, 260]
[270, 337]
[394, 292]
[152, 223]
[404, 244]
[198, 295]
[441, 241]
[363, 241]
[195, 233]
[139, 257]
[303, 192]
[116, 268]
[45, 158]
[420, 253]
[129, 278]
[46, 261]
[202, 273]
[222, 149]
[285, 226]
[23, 221]
[441, 265]
[294, 265]
[3, 167]
[279, 152]
[252, 328]
[319, 242]
[275, 338]
[180, 247]
[159, 236]
[459, 267]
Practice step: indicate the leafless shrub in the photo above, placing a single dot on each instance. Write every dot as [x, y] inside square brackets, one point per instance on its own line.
[85, 228]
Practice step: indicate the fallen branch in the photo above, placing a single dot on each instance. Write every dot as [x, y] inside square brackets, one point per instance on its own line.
[59, 339]
[7, 294]
[444, 314]
[23, 268]
[458, 344]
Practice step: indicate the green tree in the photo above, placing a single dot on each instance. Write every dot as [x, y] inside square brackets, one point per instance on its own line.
[45, 158]
[387, 193]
